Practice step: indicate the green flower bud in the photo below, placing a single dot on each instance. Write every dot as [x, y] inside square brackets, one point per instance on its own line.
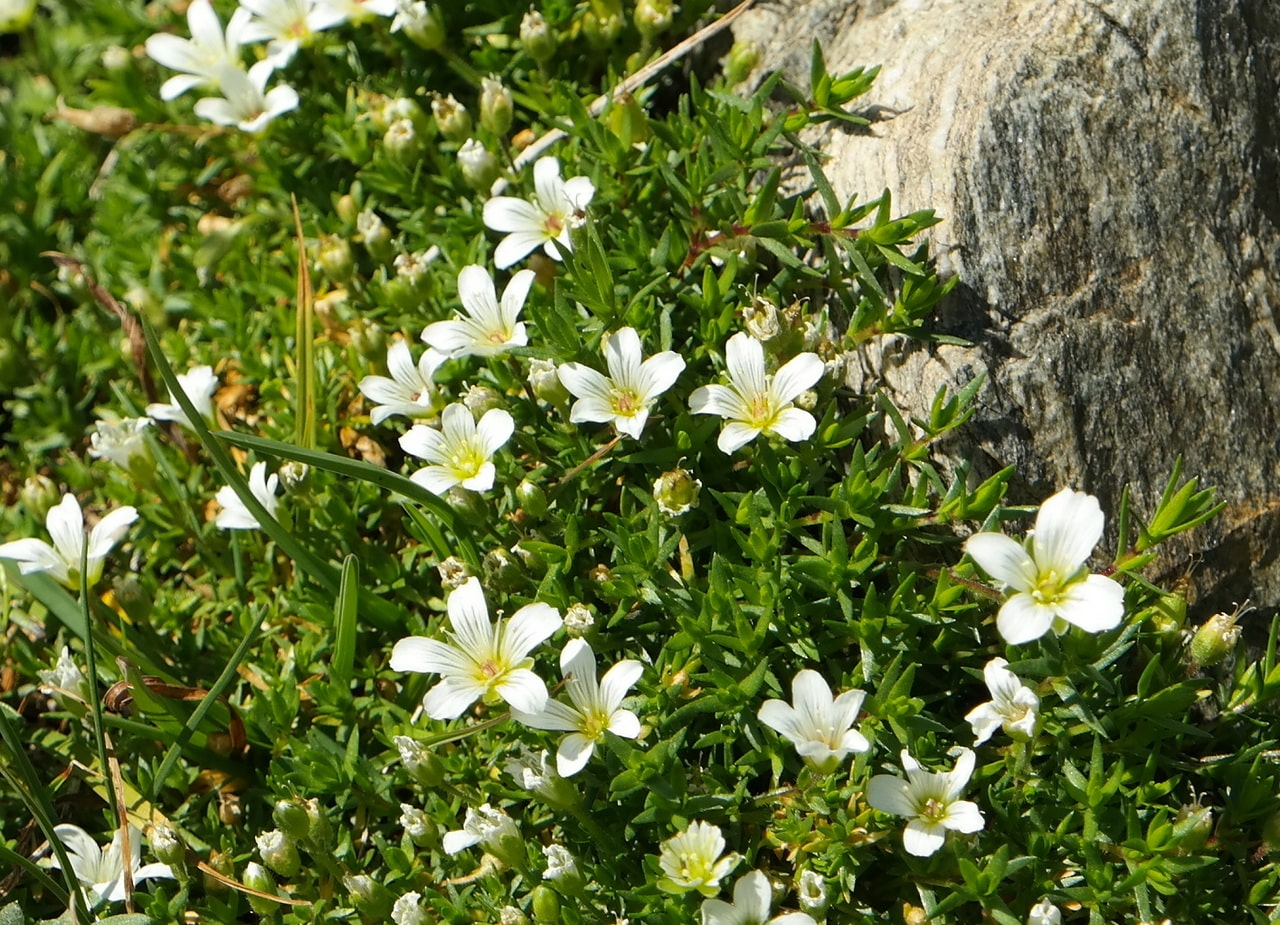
[578, 620]
[497, 106]
[421, 763]
[347, 209]
[531, 498]
[222, 864]
[537, 38]
[417, 825]
[510, 915]
[294, 475]
[743, 58]
[653, 17]
[1192, 827]
[602, 30]
[168, 848]
[116, 58]
[402, 107]
[546, 905]
[1215, 639]
[478, 165]
[676, 492]
[545, 382]
[452, 118]
[367, 338]
[502, 570]
[370, 898]
[257, 877]
[402, 143]
[481, 398]
[421, 24]
[38, 495]
[562, 871]
[628, 120]
[376, 236]
[319, 833]
[292, 818]
[279, 853]
[335, 258]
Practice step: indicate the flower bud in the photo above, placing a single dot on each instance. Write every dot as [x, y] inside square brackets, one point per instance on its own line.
[544, 381]
[279, 853]
[409, 910]
[478, 165]
[531, 498]
[496, 105]
[537, 37]
[1215, 639]
[123, 442]
[15, 15]
[481, 398]
[319, 832]
[453, 573]
[628, 120]
[811, 893]
[502, 570]
[653, 17]
[367, 338]
[370, 897]
[136, 599]
[421, 763]
[535, 772]
[402, 107]
[421, 24]
[116, 58]
[335, 258]
[743, 58]
[466, 504]
[402, 143]
[602, 29]
[452, 118]
[760, 318]
[292, 819]
[376, 236]
[578, 620]
[562, 870]
[676, 492]
[807, 400]
[1192, 827]
[38, 495]
[546, 905]
[107, 121]
[257, 877]
[167, 847]
[347, 209]
[222, 864]
[510, 915]
[294, 475]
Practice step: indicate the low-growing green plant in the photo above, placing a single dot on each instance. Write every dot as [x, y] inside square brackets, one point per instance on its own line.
[611, 600]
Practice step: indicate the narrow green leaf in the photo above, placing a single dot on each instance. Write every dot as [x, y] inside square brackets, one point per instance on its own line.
[344, 655]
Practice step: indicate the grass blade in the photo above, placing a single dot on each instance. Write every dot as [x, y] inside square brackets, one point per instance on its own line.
[344, 655]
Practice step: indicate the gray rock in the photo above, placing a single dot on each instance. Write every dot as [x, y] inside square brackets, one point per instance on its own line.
[1107, 175]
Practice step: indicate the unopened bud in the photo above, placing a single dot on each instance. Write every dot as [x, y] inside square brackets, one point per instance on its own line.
[546, 905]
[38, 495]
[481, 398]
[291, 816]
[221, 864]
[167, 847]
[562, 870]
[409, 910]
[453, 573]
[452, 118]
[653, 17]
[293, 475]
[531, 498]
[417, 825]
[807, 400]
[115, 58]
[502, 570]
[628, 120]
[544, 380]
[421, 24]
[537, 38]
[376, 236]
[402, 143]
[1192, 827]
[279, 853]
[319, 832]
[743, 58]
[496, 105]
[133, 596]
[478, 165]
[602, 30]
[421, 763]
[335, 258]
[676, 492]
[347, 209]
[367, 338]
[1215, 638]
[257, 877]
[510, 915]
[578, 620]
[107, 121]
[370, 897]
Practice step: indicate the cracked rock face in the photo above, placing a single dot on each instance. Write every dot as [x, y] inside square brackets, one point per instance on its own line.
[1108, 174]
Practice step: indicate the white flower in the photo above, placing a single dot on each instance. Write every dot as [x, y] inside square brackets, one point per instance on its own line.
[65, 522]
[481, 660]
[597, 707]
[234, 515]
[415, 822]
[409, 910]
[65, 676]
[754, 402]
[120, 442]
[15, 15]
[1047, 573]
[533, 772]
[201, 58]
[1044, 913]
[562, 866]
[1013, 705]
[461, 452]
[821, 728]
[930, 800]
[409, 391]
[625, 396]
[811, 891]
[286, 24]
[691, 859]
[487, 328]
[103, 872]
[485, 826]
[529, 224]
[198, 384]
[752, 899]
[245, 102]
[357, 11]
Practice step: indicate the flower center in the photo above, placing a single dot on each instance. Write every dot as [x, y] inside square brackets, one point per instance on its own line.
[497, 337]
[554, 224]
[1048, 589]
[490, 669]
[626, 403]
[693, 866]
[761, 412]
[466, 461]
[594, 725]
[934, 810]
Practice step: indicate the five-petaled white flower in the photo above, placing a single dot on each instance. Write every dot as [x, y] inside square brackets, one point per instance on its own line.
[246, 102]
[461, 452]
[1013, 705]
[198, 384]
[286, 24]
[625, 396]
[754, 402]
[819, 726]
[484, 826]
[201, 58]
[597, 706]
[119, 441]
[102, 872]
[487, 328]
[234, 514]
[1044, 913]
[930, 800]
[481, 660]
[1051, 585]
[752, 900]
[65, 522]
[409, 391]
[558, 203]
[692, 860]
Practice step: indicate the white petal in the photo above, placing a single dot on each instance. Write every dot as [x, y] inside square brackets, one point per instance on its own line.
[529, 626]
[65, 523]
[585, 382]
[781, 717]
[555, 716]
[469, 618]
[574, 753]
[450, 698]
[890, 794]
[459, 840]
[579, 191]
[435, 479]
[958, 777]
[812, 698]
[923, 839]
[515, 247]
[448, 337]
[735, 436]
[513, 297]
[717, 399]
[508, 214]
[401, 366]
[798, 374]
[624, 724]
[1068, 527]
[659, 373]
[423, 442]
[421, 654]
[383, 391]
[793, 425]
[523, 690]
[178, 84]
[477, 294]
[744, 359]
[1004, 559]
[494, 430]
[985, 721]
[108, 531]
[82, 851]
[1095, 604]
[1022, 619]
[964, 816]
[482, 480]
[34, 555]
[617, 681]
[547, 184]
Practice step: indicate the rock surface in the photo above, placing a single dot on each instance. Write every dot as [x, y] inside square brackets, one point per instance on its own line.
[1107, 174]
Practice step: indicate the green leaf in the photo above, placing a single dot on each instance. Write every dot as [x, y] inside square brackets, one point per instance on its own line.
[344, 631]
